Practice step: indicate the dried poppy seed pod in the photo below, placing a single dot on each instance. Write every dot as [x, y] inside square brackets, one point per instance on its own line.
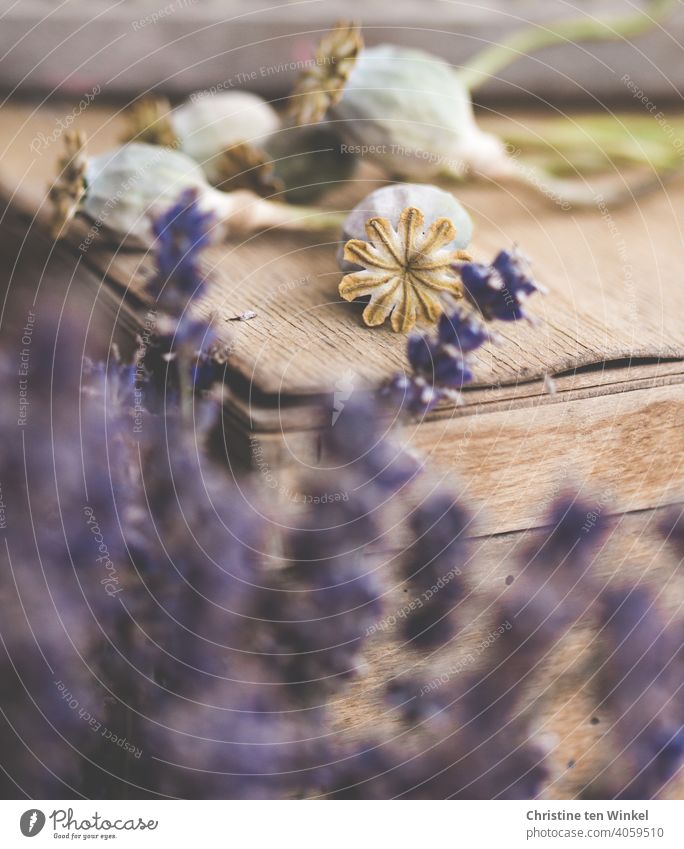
[308, 161]
[405, 270]
[204, 126]
[389, 202]
[124, 186]
[207, 125]
[410, 112]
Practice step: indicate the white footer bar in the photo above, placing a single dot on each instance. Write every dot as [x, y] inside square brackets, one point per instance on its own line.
[340, 825]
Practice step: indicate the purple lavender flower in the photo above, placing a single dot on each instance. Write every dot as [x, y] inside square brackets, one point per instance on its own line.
[359, 444]
[181, 234]
[433, 569]
[440, 365]
[443, 360]
[412, 394]
[463, 331]
[641, 683]
[500, 290]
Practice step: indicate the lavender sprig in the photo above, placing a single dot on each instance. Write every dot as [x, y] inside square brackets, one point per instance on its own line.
[181, 234]
[499, 290]
[641, 684]
[177, 358]
[441, 364]
[433, 569]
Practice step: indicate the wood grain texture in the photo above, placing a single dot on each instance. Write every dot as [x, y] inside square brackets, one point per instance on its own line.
[612, 279]
[561, 701]
[614, 295]
[511, 446]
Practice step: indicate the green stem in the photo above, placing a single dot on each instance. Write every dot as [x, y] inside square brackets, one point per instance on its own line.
[492, 60]
[245, 212]
[575, 194]
[295, 217]
[566, 150]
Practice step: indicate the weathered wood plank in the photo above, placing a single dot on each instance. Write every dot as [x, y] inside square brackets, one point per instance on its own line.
[511, 446]
[612, 276]
[561, 697]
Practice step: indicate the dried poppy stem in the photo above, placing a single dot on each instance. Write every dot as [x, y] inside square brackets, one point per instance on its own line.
[245, 212]
[580, 194]
[491, 61]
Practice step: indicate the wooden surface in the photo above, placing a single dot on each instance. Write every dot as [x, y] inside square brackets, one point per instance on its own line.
[626, 419]
[561, 700]
[611, 330]
[613, 279]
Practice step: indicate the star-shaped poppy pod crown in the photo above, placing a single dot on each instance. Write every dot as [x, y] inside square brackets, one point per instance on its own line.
[405, 271]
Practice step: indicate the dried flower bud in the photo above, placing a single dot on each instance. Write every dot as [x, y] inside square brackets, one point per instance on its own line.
[321, 84]
[68, 189]
[126, 185]
[410, 112]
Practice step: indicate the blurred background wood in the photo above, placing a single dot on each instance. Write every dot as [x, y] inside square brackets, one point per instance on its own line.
[179, 46]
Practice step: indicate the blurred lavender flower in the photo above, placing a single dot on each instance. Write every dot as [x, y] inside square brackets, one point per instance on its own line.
[113, 381]
[500, 290]
[181, 351]
[493, 755]
[181, 234]
[433, 569]
[359, 442]
[317, 612]
[672, 528]
[641, 684]
[178, 355]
